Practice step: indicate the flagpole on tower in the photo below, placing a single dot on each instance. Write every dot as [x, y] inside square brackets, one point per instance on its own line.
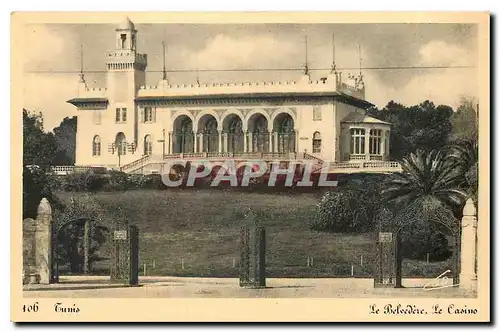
[164, 77]
[360, 59]
[82, 76]
[334, 66]
[306, 65]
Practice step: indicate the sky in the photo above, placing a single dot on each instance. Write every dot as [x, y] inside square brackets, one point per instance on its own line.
[52, 58]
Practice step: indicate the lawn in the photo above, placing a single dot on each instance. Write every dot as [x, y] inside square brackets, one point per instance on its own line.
[196, 233]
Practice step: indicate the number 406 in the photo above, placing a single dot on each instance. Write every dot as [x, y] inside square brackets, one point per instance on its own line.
[31, 307]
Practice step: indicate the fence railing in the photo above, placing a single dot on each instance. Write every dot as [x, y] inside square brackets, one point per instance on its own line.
[63, 170]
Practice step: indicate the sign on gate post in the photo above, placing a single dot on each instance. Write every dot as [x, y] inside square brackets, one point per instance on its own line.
[385, 260]
[125, 256]
[385, 251]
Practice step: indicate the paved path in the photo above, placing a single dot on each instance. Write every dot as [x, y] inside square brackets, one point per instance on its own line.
[185, 287]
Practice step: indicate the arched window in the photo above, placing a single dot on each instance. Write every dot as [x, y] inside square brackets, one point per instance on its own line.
[183, 135]
[121, 144]
[234, 128]
[123, 38]
[210, 134]
[316, 142]
[375, 141]
[284, 125]
[357, 141]
[96, 146]
[148, 145]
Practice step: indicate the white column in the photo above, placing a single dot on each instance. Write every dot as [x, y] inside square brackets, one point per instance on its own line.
[196, 142]
[225, 142]
[388, 141]
[468, 276]
[382, 144]
[250, 142]
[275, 141]
[220, 140]
[200, 148]
[367, 144]
[270, 139]
[245, 142]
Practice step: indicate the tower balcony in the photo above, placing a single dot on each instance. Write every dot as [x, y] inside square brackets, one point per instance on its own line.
[124, 59]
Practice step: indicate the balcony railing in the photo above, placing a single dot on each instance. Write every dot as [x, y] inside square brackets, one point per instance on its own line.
[377, 157]
[357, 157]
[236, 155]
[367, 166]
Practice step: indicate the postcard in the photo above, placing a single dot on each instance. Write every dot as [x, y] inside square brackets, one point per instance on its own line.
[250, 167]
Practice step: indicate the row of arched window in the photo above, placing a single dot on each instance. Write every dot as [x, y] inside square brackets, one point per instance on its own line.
[121, 145]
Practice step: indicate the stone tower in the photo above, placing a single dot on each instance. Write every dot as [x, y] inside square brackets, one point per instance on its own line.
[125, 75]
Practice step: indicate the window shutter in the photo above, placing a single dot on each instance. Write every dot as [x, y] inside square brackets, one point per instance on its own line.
[154, 114]
[142, 114]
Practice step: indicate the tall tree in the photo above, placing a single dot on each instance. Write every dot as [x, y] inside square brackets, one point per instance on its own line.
[65, 135]
[464, 121]
[39, 151]
[39, 147]
[422, 126]
[464, 154]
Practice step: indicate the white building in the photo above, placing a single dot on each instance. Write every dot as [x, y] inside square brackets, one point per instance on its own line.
[135, 127]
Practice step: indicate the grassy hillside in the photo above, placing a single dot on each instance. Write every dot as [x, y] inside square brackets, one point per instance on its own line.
[189, 232]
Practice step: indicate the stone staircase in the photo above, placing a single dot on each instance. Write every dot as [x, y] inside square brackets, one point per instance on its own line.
[136, 165]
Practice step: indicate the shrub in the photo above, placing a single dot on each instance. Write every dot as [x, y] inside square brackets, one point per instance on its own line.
[154, 181]
[424, 238]
[86, 181]
[137, 181]
[117, 181]
[335, 212]
[350, 207]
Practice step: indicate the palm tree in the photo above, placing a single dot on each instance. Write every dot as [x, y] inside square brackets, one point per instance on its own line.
[428, 190]
[464, 154]
[425, 175]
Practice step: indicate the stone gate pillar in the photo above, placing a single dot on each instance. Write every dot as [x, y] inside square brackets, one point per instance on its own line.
[125, 255]
[385, 263]
[468, 276]
[42, 244]
[253, 254]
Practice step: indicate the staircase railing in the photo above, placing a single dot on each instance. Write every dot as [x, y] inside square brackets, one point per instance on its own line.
[138, 162]
[318, 166]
